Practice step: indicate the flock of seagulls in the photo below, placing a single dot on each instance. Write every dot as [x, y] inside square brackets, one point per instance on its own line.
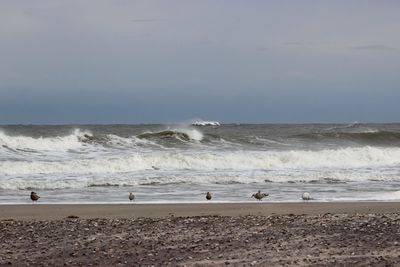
[259, 196]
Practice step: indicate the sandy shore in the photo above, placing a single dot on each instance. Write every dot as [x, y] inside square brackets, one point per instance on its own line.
[260, 234]
[92, 211]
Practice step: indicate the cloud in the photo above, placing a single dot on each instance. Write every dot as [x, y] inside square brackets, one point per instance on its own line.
[374, 47]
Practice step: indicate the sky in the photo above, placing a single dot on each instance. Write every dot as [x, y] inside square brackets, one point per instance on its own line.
[126, 61]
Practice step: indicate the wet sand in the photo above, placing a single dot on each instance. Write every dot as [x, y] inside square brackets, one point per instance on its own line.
[133, 210]
[259, 234]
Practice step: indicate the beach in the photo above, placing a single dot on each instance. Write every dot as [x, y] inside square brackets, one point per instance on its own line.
[199, 133]
[85, 173]
[211, 234]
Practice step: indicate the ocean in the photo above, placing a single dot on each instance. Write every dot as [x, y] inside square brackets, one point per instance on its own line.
[180, 163]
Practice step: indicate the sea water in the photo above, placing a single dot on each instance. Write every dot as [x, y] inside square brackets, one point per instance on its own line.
[182, 162]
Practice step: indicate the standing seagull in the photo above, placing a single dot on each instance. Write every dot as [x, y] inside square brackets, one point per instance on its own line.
[259, 196]
[131, 196]
[34, 197]
[306, 196]
[208, 196]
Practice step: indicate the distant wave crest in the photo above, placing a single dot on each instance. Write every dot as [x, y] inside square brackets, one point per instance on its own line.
[205, 123]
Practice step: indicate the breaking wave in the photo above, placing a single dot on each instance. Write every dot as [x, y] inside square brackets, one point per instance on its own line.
[57, 143]
[205, 123]
[233, 161]
[173, 162]
[78, 141]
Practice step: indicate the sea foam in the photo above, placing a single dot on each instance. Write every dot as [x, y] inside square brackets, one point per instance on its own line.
[60, 143]
[205, 123]
[207, 161]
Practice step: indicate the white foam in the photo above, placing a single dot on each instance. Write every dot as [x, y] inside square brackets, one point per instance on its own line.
[205, 123]
[193, 134]
[58, 143]
[386, 196]
[133, 141]
[346, 158]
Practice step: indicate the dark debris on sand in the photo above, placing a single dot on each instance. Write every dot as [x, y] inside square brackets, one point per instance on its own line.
[290, 240]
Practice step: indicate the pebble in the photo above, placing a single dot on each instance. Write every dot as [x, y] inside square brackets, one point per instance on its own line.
[44, 243]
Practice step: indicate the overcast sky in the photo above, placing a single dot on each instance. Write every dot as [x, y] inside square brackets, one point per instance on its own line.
[127, 61]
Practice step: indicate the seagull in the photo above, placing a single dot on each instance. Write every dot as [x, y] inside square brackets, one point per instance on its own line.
[131, 196]
[306, 196]
[34, 197]
[208, 196]
[259, 196]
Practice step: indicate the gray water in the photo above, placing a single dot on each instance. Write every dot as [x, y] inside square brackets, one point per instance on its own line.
[180, 163]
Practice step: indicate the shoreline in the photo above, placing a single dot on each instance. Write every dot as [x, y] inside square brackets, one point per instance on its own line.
[160, 210]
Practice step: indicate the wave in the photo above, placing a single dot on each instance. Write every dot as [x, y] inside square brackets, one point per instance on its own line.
[58, 143]
[340, 127]
[366, 136]
[205, 123]
[180, 134]
[116, 141]
[84, 141]
[76, 142]
[228, 161]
